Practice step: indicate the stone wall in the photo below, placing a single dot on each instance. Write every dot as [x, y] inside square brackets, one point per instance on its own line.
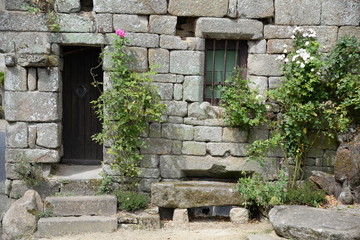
[193, 140]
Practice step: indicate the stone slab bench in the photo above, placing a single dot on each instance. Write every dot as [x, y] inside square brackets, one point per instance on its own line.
[191, 194]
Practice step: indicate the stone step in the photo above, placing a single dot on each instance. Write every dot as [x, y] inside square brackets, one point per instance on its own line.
[57, 226]
[81, 205]
[190, 194]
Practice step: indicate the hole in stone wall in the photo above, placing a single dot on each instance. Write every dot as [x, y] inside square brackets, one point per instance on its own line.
[185, 27]
[86, 5]
[210, 212]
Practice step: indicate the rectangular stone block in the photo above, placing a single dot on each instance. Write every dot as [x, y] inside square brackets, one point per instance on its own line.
[32, 106]
[234, 135]
[165, 90]
[150, 173]
[160, 59]
[200, 8]
[131, 23]
[33, 155]
[278, 31]
[104, 23]
[81, 205]
[38, 60]
[15, 5]
[187, 62]
[175, 108]
[23, 21]
[195, 43]
[279, 45]
[141, 59]
[145, 7]
[175, 119]
[15, 79]
[172, 42]
[48, 135]
[58, 226]
[157, 146]
[207, 122]
[163, 24]
[275, 82]
[260, 84]
[300, 12]
[206, 134]
[49, 79]
[178, 92]
[339, 12]
[80, 38]
[350, 31]
[177, 131]
[164, 78]
[193, 88]
[143, 40]
[220, 149]
[145, 184]
[257, 46]
[76, 22]
[264, 65]
[150, 161]
[155, 130]
[32, 79]
[69, 6]
[17, 135]
[194, 148]
[224, 28]
[255, 8]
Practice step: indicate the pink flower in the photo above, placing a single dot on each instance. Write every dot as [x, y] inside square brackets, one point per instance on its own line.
[120, 33]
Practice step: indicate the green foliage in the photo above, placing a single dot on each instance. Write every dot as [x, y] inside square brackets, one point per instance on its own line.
[244, 107]
[256, 191]
[131, 201]
[2, 78]
[47, 6]
[306, 194]
[125, 110]
[45, 214]
[106, 186]
[31, 173]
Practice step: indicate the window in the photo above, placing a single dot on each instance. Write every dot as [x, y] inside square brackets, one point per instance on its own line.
[222, 56]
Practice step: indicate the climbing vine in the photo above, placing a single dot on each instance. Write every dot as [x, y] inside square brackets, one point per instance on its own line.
[319, 96]
[125, 108]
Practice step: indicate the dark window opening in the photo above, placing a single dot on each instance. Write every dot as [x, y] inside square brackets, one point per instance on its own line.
[185, 27]
[86, 5]
[221, 58]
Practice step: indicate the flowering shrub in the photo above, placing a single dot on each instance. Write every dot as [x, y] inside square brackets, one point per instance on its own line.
[125, 110]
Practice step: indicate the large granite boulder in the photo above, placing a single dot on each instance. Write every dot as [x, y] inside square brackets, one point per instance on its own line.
[347, 165]
[302, 222]
[194, 194]
[21, 218]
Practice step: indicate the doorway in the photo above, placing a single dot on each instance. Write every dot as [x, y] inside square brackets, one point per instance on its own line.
[79, 119]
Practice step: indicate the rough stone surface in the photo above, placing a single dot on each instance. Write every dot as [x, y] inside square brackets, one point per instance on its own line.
[15, 79]
[350, 31]
[79, 38]
[221, 149]
[160, 58]
[194, 194]
[347, 166]
[17, 135]
[300, 12]
[37, 60]
[145, 7]
[76, 22]
[338, 12]
[257, 46]
[178, 92]
[15, 226]
[149, 221]
[48, 135]
[180, 217]
[177, 131]
[255, 8]
[222, 28]
[66, 6]
[279, 45]
[195, 44]
[32, 106]
[165, 90]
[141, 56]
[150, 173]
[104, 23]
[57, 226]
[24, 42]
[49, 79]
[80, 187]
[35, 155]
[302, 222]
[81, 205]
[187, 62]
[22, 21]
[162, 24]
[131, 23]
[239, 215]
[157, 146]
[207, 166]
[260, 84]
[275, 82]
[32, 79]
[324, 181]
[203, 8]
[234, 135]
[205, 134]
[172, 42]
[277, 31]
[175, 108]
[148, 40]
[164, 78]
[194, 148]
[264, 65]
[193, 88]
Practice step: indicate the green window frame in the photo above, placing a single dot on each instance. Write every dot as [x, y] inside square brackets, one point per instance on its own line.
[221, 58]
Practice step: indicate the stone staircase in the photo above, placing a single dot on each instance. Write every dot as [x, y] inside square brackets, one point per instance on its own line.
[78, 214]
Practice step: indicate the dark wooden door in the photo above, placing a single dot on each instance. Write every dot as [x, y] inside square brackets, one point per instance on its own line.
[79, 119]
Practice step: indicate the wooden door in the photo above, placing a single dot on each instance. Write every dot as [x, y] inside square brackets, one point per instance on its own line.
[79, 119]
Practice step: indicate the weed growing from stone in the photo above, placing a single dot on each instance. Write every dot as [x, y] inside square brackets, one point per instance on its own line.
[47, 6]
[30, 172]
[131, 201]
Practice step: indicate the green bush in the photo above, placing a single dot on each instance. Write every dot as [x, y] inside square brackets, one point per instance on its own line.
[131, 201]
[306, 194]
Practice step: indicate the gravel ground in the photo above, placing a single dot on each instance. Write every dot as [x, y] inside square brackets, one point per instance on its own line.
[194, 231]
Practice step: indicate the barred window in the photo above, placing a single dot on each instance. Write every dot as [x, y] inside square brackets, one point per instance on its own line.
[222, 56]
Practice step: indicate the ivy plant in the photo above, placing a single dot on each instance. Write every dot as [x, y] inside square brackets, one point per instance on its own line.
[125, 108]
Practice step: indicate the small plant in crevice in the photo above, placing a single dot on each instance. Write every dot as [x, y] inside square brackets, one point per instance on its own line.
[106, 185]
[47, 6]
[130, 200]
[45, 214]
[31, 173]
[125, 109]
[306, 194]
